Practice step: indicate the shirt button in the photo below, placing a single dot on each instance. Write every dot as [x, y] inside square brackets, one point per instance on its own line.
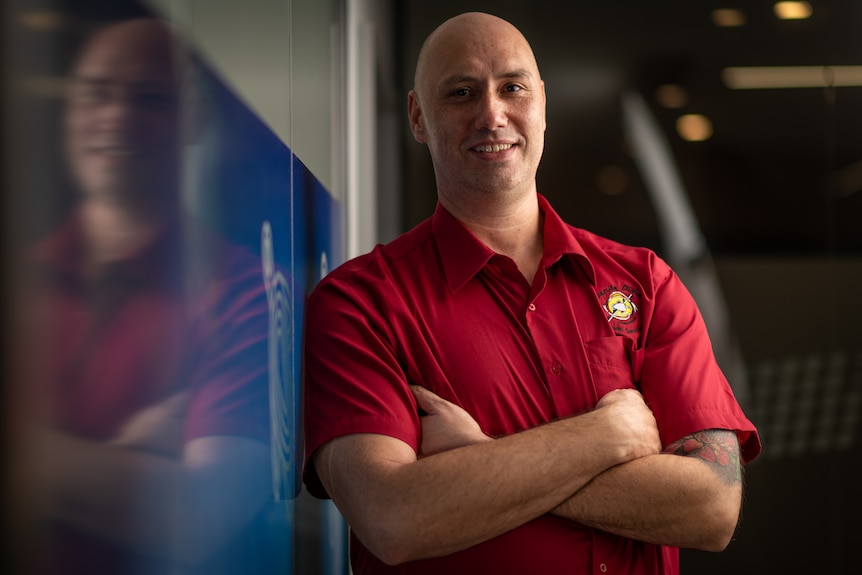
[555, 368]
[531, 307]
[603, 568]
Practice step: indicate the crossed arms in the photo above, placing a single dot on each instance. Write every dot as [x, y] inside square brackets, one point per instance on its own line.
[605, 469]
[147, 490]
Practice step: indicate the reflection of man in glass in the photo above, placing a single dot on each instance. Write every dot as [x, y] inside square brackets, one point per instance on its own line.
[149, 340]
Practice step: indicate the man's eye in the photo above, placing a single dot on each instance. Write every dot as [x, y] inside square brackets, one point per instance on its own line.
[514, 88]
[461, 92]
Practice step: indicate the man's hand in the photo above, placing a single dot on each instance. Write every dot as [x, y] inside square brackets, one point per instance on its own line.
[445, 425]
[638, 434]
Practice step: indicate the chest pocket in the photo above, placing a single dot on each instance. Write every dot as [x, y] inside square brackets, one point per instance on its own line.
[614, 364]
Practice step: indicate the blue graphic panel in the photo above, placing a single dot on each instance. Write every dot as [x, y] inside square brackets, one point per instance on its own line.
[250, 186]
[319, 233]
[239, 184]
[319, 225]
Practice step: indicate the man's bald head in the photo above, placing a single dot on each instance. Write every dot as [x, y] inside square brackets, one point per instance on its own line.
[461, 34]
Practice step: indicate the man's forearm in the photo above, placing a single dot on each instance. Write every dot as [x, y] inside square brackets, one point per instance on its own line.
[405, 509]
[682, 501]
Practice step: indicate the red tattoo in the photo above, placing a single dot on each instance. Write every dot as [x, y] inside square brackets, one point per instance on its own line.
[718, 447]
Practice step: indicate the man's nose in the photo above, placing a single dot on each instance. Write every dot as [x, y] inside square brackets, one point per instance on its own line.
[492, 112]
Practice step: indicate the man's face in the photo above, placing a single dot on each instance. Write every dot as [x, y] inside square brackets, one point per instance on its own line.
[479, 105]
[122, 119]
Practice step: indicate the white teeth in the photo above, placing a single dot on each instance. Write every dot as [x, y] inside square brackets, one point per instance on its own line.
[493, 148]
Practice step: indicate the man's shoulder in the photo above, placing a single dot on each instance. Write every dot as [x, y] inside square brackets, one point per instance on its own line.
[408, 250]
[592, 242]
[381, 283]
[609, 256]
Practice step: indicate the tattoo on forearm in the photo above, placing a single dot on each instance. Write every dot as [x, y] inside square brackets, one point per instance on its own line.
[718, 447]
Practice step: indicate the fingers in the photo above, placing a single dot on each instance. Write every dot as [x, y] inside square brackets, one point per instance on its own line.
[429, 402]
[633, 422]
[622, 395]
[426, 400]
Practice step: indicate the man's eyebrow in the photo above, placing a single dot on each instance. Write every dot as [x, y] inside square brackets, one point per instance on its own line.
[457, 79]
[517, 74]
[466, 78]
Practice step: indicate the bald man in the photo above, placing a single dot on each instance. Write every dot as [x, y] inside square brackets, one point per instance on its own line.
[496, 391]
[148, 339]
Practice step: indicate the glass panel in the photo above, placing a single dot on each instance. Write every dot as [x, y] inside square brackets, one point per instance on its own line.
[163, 235]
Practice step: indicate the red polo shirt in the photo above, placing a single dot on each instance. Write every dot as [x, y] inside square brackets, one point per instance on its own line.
[155, 323]
[437, 308]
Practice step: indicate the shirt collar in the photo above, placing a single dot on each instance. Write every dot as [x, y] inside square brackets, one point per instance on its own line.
[463, 254]
[561, 242]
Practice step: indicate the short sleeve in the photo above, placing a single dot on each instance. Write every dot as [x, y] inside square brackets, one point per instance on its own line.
[681, 380]
[354, 382]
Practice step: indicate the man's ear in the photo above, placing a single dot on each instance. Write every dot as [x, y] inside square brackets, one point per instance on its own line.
[414, 114]
[544, 108]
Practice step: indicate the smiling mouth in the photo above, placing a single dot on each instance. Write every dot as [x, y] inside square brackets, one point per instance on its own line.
[492, 148]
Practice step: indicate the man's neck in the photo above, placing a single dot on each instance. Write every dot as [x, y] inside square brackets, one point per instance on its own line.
[510, 228]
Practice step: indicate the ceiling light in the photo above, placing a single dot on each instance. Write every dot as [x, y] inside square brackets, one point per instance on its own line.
[728, 17]
[612, 180]
[770, 77]
[671, 96]
[694, 127]
[793, 10]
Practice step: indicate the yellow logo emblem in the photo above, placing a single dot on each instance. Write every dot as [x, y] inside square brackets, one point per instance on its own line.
[620, 307]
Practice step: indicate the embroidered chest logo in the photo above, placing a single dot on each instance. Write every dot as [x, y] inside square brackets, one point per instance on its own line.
[620, 307]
